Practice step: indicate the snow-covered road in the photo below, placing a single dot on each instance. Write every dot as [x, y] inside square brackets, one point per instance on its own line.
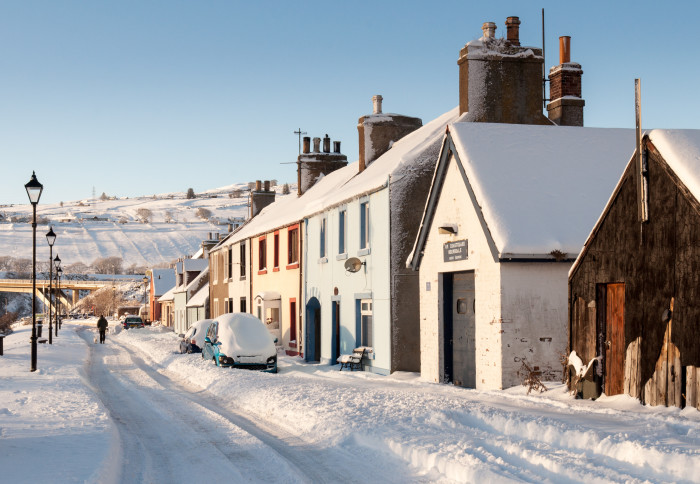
[134, 410]
[169, 431]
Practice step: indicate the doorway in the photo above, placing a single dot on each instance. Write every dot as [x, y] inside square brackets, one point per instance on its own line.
[459, 329]
[611, 335]
[313, 330]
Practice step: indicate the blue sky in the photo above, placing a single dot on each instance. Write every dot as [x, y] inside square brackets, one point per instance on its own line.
[136, 98]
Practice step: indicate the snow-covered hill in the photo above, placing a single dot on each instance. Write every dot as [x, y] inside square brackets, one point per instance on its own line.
[142, 231]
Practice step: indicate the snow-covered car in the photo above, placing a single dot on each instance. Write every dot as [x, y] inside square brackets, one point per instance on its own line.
[240, 340]
[133, 322]
[193, 340]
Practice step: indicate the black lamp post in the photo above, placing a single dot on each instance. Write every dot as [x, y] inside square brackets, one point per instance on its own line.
[57, 264]
[145, 300]
[34, 189]
[59, 271]
[51, 238]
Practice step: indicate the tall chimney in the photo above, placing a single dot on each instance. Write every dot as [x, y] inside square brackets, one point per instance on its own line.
[307, 144]
[336, 147]
[267, 186]
[326, 144]
[566, 105]
[500, 81]
[513, 31]
[260, 198]
[317, 145]
[377, 131]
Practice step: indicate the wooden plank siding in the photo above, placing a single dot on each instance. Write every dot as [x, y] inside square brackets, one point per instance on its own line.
[656, 261]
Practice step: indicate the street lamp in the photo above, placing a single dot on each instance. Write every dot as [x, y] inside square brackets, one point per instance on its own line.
[145, 300]
[57, 264]
[51, 238]
[34, 189]
[59, 271]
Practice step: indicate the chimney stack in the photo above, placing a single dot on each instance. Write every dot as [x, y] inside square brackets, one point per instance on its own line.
[307, 144]
[377, 131]
[513, 31]
[260, 198]
[311, 166]
[566, 105]
[500, 81]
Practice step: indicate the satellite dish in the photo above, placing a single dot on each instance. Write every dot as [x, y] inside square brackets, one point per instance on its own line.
[353, 264]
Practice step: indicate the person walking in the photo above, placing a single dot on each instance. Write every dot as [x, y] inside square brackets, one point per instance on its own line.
[102, 328]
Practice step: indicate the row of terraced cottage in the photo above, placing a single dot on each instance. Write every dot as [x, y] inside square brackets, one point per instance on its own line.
[490, 237]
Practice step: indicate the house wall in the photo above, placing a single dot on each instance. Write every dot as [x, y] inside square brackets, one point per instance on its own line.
[283, 279]
[454, 207]
[218, 285]
[534, 316]
[239, 285]
[656, 261]
[324, 276]
[180, 312]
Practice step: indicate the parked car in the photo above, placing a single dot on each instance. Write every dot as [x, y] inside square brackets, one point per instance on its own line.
[193, 340]
[240, 340]
[133, 322]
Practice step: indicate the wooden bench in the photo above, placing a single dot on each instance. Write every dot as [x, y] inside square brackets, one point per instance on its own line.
[353, 361]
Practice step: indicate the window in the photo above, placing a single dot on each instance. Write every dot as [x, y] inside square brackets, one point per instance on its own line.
[323, 239]
[364, 225]
[243, 305]
[276, 254]
[366, 322]
[243, 258]
[293, 245]
[342, 231]
[262, 253]
[229, 271]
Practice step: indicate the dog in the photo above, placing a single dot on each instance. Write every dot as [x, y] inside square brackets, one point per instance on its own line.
[96, 339]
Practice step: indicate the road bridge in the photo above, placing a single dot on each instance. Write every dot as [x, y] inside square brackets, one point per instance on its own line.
[42, 289]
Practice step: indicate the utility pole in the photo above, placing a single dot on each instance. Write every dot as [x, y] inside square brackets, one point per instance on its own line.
[300, 133]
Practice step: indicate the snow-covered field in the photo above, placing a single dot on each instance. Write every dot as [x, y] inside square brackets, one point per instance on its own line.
[308, 423]
[90, 229]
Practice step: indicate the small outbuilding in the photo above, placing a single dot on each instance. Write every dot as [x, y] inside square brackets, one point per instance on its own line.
[505, 218]
[634, 290]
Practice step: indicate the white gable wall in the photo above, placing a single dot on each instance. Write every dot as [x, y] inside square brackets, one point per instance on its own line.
[454, 207]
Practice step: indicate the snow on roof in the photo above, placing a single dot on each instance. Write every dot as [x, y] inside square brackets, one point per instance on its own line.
[541, 188]
[197, 281]
[680, 148]
[346, 183]
[168, 296]
[192, 265]
[200, 298]
[163, 279]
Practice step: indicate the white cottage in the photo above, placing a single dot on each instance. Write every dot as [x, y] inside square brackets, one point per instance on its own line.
[509, 210]
[357, 290]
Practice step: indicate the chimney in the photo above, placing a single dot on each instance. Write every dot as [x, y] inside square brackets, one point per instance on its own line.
[311, 166]
[230, 228]
[377, 104]
[566, 105]
[377, 132]
[513, 31]
[260, 198]
[307, 144]
[500, 81]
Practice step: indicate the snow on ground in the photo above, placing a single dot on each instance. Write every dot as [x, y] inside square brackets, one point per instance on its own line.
[439, 432]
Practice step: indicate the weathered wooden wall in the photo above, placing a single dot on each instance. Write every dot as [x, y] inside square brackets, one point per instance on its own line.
[656, 261]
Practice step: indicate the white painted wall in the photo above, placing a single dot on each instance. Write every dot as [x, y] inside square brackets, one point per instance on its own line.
[372, 281]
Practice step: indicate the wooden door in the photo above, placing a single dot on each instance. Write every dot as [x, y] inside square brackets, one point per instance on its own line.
[615, 338]
[463, 330]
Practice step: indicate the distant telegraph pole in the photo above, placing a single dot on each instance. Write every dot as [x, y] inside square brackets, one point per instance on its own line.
[300, 133]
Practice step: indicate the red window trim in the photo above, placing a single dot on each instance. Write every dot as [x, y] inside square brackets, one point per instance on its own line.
[292, 266]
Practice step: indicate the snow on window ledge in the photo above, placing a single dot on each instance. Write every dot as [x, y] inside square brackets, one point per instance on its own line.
[364, 251]
[323, 260]
[342, 256]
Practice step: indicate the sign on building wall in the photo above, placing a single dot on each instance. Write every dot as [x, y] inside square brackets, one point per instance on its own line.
[454, 251]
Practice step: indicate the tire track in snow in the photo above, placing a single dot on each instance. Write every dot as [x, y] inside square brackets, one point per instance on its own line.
[286, 457]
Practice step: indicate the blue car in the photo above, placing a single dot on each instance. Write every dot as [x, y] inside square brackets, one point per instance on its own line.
[240, 340]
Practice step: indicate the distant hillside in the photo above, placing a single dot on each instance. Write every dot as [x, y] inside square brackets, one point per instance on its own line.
[142, 231]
